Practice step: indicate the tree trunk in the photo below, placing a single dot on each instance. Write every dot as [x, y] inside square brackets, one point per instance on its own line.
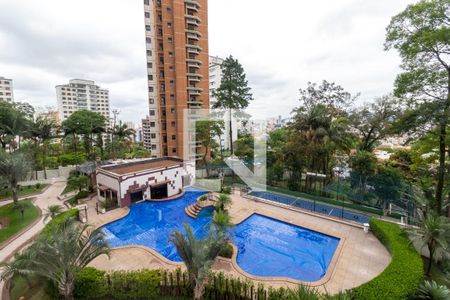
[430, 262]
[231, 144]
[441, 169]
[44, 156]
[199, 290]
[14, 193]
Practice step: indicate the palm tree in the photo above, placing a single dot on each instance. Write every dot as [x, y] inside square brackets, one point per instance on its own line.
[121, 133]
[198, 256]
[78, 182]
[52, 211]
[222, 221]
[14, 168]
[59, 256]
[432, 290]
[42, 131]
[223, 201]
[434, 233]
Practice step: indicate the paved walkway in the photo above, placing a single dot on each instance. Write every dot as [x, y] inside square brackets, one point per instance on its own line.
[49, 197]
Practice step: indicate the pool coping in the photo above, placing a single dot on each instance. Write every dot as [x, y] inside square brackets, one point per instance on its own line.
[233, 260]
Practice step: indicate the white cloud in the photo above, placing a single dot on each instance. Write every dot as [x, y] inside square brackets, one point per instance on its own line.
[282, 45]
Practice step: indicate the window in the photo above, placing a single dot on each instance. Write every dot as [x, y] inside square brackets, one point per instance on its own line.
[147, 27]
[170, 40]
[170, 53]
[169, 9]
[153, 147]
[164, 138]
[153, 135]
[169, 24]
[150, 77]
[152, 112]
[172, 123]
[174, 150]
[152, 124]
[148, 40]
[150, 89]
[172, 110]
[149, 65]
[151, 101]
[149, 52]
[174, 137]
[172, 97]
[146, 2]
[147, 15]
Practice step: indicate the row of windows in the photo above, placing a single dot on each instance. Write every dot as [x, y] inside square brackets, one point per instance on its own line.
[5, 99]
[6, 94]
[5, 82]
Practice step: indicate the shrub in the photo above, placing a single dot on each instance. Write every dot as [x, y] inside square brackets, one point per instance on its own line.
[90, 283]
[402, 277]
[202, 198]
[38, 185]
[227, 251]
[82, 194]
[226, 190]
[432, 290]
[135, 284]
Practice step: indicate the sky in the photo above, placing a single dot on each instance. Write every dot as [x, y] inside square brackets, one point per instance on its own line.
[281, 44]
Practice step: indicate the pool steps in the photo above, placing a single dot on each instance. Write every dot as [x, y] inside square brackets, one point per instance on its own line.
[194, 209]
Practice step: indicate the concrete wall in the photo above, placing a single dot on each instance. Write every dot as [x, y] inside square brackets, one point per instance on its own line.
[60, 172]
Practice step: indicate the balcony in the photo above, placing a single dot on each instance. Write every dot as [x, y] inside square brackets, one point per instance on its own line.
[192, 17]
[193, 36]
[192, 50]
[192, 2]
[193, 31]
[194, 77]
[190, 21]
[193, 6]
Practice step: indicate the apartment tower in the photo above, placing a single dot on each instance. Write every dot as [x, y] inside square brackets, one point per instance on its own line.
[177, 64]
[80, 94]
[6, 89]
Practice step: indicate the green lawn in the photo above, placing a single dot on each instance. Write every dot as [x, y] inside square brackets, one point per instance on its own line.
[16, 222]
[23, 191]
[36, 290]
[68, 189]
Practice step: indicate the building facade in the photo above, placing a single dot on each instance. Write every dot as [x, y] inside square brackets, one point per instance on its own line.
[6, 90]
[215, 78]
[148, 179]
[52, 115]
[80, 94]
[177, 64]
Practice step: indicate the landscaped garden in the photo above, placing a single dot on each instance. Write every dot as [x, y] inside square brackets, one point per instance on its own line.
[12, 219]
[23, 191]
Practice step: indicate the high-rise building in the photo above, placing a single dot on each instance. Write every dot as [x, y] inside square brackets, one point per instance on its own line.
[147, 135]
[52, 115]
[177, 64]
[81, 94]
[6, 89]
[215, 78]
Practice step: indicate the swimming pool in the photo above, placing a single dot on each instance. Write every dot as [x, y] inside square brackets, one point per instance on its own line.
[310, 205]
[266, 247]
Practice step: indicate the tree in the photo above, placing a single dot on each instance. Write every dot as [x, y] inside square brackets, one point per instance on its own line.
[233, 92]
[364, 165]
[121, 134]
[43, 131]
[374, 121]
[388, 185]
[223, 201]
[77, 182]
[59, 256]
[13, 122]
[14, 167]
[52, 211]
[198, 255]
[86, 123]
[421, 35]
[205, 132]
[222, 221]
[433, 233]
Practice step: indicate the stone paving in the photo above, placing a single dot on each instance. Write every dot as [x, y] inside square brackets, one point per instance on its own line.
[359, 257]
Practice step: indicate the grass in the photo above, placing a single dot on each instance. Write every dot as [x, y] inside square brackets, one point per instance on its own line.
[16, 222]
[68, 189]
[36, 290]
[23, 191]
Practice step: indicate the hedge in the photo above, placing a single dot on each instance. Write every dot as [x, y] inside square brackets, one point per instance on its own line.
[402, 277]
[91, 283]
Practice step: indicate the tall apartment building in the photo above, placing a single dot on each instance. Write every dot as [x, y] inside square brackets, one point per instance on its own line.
[215, 78]
[6, 89]
[147, 135]
[177, 63]
[81, 94]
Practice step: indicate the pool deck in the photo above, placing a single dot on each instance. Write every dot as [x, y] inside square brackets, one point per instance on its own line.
[358, 258]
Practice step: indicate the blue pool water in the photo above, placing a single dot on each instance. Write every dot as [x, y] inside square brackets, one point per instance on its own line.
[266, 247]
[309, 205]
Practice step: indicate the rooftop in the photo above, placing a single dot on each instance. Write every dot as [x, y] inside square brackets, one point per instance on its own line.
[134, 166]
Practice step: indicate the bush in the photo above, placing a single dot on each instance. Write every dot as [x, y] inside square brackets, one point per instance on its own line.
[226, 190]
[402, 277]
[135, 284]
[227, 251]
[82, 194]
[202, 198]
[90, 283]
